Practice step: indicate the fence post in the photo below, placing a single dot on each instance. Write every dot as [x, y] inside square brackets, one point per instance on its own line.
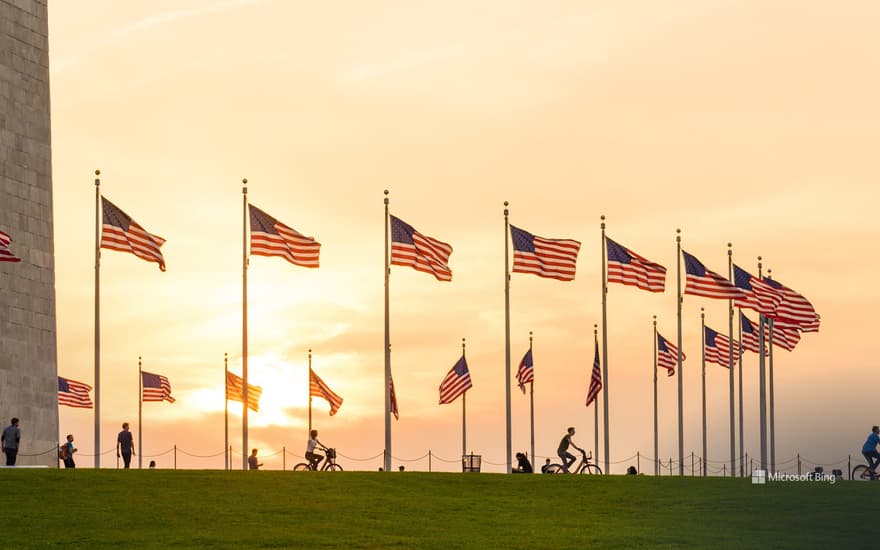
[849, 465]
[429, 460]
[175, 457]
[692, 463]
[283, 458]
[746, 461]
[230, 457]
[724, 470]
[670, 465]
[638, 462]
[752, 465]
[799, 463]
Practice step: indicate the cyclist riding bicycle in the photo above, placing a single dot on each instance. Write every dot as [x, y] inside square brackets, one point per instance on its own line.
[869, 450]
[313, 457]
[566, 457]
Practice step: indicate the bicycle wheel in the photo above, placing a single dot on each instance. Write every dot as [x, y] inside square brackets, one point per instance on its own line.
[554, 469]
[333, 468]
[301, 467]
[861, 473]
[592, 469]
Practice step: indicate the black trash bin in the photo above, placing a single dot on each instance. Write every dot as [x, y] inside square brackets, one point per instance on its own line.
[471, 462]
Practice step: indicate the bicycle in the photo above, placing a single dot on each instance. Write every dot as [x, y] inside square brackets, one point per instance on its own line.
[584, 467]
[330, 464]
[863, 473]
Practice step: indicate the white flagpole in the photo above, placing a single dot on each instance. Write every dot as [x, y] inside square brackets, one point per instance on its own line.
[387, 349]
[762, 384]
[595, 404]
[97, 319]
[244, 333]
[507, 335]
[656, 439]
[703, 354]
[730, 364]
[680, 382]
[463, 414]
[605, 355]
[742, 465]
[532, 399]
[310, 392]
[140, 415]
[772, 435]
[225, 412]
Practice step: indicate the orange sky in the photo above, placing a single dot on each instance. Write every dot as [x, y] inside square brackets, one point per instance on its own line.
[738, 122]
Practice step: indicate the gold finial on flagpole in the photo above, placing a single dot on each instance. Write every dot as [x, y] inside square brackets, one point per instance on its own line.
[386, 197]
[602, 217]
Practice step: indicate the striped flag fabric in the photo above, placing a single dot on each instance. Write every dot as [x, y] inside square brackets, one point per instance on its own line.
[394, 410]
[628, 268]
[526, 372]
[595, 379]
[759, 296]
[235, 391]
[156, 387]
[794, 307]
[750, 339]
[702, 282]
[456, 382]
[667, 355]
[421, 252]
[74, 394]
[6, 255]
[716, 348]
[120, 232]
[317, 388]
[550, 258]
[786, 335]
[269, 237]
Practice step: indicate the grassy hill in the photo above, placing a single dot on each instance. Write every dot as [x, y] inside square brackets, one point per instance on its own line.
[204, 509]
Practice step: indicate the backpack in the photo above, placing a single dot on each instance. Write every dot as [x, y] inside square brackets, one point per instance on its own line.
[62, 452]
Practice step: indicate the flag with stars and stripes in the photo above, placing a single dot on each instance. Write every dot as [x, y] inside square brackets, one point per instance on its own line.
[120, 232]
[269, 237]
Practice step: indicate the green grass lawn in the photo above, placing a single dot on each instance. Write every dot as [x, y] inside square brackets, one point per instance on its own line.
[204, 509]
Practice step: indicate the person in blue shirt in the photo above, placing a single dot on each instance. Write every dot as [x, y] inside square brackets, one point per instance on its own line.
[869, 449]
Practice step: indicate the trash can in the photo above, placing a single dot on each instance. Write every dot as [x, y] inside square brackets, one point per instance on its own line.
[471, 462]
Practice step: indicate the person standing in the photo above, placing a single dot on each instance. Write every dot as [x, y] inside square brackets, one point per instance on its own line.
[125, 445]
[566, 457]
[252, 461]
[10, 439]
[69, 449]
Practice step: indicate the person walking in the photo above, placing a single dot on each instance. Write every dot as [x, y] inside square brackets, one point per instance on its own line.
[566, 457]
[9, 441]
[69, 449]
[252, 461]
[124, 446]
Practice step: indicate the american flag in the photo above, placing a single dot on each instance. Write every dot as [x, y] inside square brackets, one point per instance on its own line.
[269, 237]
[794, 307]
[317, 388]
[667, 355]
[595, 379]
[120, 232]
[551, 258]
[702, 282]
[74, 394]
[628, 268]
[156, 387]
[457, 381]
[750, 338]
[786, 335]
[394, 410]
[421, 252]
[759, 296]
[526, 372]
[717, 348]
[235, 391]
[6, 255]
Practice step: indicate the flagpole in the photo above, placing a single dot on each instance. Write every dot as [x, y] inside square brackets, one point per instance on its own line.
[532, 399]
[97, 319]
[595, 405]
[387, 350]
[605, 354]
[680, 402]
[772, 435]
[656, 439]
[507, 334]
[742, 465]
[225, 412]
[730, 364]
[703, 334]
[140, 415]
[244, 334]
[463, 413]
[310, 392]
[762, 384]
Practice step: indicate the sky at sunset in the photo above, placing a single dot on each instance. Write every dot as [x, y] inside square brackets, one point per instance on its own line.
[754, 123]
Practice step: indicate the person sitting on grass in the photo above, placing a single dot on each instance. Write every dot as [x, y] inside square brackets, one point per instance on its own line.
[523, 466]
